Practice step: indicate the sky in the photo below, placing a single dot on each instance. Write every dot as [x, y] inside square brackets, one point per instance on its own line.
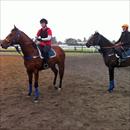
[67, 19]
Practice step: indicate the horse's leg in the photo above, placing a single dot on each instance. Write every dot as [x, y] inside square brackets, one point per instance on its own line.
[36, 93]
[111, 79]
[30, 76]
[61, 74]
[53, 68]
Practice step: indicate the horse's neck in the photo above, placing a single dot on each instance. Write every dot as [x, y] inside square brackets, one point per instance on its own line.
[28, 47]
[105, 42]
[105, 47]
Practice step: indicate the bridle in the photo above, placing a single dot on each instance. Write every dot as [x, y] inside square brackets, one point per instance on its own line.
[97, 41]
[15, 42]
[15, 39]
[101, 49]
[106, 47]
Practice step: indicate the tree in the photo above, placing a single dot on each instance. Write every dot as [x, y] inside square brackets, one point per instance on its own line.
[85, 40]
[71, 41]
[79, 40]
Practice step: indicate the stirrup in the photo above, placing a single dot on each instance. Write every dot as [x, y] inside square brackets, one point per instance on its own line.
[46, 66]
[117, 56]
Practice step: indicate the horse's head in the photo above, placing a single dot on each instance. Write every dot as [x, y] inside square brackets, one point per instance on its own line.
[93, 40]
[11, 39]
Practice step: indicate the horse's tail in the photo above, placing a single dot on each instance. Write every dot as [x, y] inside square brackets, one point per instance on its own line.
[60, 61]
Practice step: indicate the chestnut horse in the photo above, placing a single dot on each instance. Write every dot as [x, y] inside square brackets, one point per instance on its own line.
[107, 49]
[32, 60]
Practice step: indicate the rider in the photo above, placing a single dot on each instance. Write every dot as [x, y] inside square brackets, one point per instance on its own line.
[124, 40]
[44, 36]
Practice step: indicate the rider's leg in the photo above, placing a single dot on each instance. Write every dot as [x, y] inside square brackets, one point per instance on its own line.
[41, 50]
[46, 55]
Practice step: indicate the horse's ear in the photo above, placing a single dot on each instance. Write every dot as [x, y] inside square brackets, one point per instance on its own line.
[15, 28]
[96, 32]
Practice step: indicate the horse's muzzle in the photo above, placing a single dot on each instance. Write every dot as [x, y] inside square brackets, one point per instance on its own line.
[5, 46]
[87, 45]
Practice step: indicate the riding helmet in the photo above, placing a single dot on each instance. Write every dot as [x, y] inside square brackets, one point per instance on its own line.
[43, 21]
[125, 25]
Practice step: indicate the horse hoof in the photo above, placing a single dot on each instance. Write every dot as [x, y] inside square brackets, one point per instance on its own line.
[59, 89]
[110, 90]
[36, 100]
[55, 87]
[29, 94]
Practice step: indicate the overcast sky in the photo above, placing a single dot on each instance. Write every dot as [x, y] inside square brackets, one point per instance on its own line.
[67, 19]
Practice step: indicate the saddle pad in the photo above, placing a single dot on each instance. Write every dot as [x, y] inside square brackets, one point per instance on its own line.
[51, 53]
[126, 54]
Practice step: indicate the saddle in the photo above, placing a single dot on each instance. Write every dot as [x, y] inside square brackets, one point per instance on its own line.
[123, 56]
[51, 53]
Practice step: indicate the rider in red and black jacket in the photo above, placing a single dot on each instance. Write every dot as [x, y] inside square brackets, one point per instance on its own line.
[44, 36]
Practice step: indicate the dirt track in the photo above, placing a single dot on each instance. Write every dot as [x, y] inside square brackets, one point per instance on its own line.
[83, 104]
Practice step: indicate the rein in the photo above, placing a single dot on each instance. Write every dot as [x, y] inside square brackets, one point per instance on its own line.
[13, 43]
[109, 47]
[18, 50]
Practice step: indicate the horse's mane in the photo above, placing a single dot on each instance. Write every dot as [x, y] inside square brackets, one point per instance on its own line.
[26, 36]
[105, 40]
[16, 29]
[29, 39]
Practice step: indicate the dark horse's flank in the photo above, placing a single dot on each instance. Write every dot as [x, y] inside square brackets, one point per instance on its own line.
[107, 49]
[32, 60]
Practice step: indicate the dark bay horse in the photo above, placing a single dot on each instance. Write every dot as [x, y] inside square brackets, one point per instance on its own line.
[107, 49]
[32, 60]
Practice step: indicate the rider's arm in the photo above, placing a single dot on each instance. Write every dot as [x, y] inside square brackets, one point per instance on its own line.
[47, 38]
[38, 37]
[44, 39]
[120, 39]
